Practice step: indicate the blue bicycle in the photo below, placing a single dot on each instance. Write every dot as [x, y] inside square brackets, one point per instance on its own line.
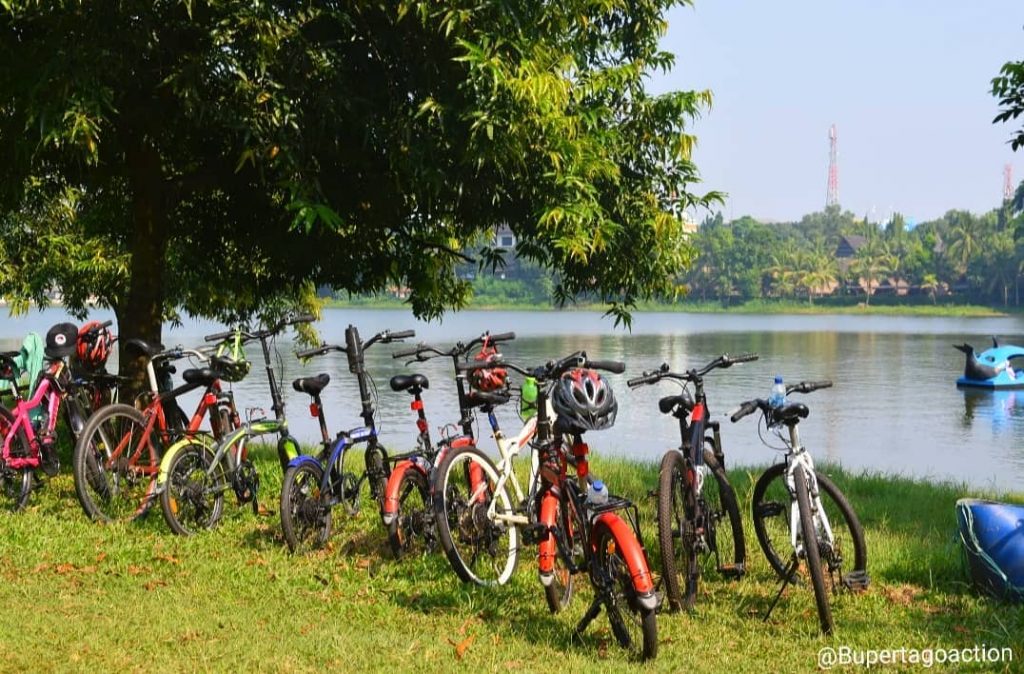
[314, 485]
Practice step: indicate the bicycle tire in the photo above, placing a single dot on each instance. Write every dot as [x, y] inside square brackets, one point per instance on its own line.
[770, 508]
[305, 520]
[15, 483]
[570, 531]
[727, 542]
[624, 610]
[412, 529]
[193, 495]
[812, 553]
[130, 493]
[462, 526]
[676, 512]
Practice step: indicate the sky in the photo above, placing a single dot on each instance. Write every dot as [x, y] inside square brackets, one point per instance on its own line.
[906, 82]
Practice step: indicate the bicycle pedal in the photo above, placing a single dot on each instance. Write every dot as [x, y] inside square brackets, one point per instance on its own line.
[856, 581]
[732, 571]
[533, 534]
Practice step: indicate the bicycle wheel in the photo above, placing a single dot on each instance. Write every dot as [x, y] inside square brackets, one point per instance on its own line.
[193, 496]
[480, 549]
[569, 539]
[15, 484]
[723, 523]
[771, 508]
[115, 464]
[635, 627]
[412, 530]
[812, 553]
[305, 518]
[676, 531]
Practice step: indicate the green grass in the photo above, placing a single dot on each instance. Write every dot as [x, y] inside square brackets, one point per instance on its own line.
[81, 596]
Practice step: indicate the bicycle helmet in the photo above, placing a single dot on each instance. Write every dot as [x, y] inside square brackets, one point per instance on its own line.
[491, 379]
[230, 361]
[93, 348]
[584, 401]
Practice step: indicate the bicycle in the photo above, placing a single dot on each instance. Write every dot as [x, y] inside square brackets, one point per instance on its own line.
[29, 432]
[570, 530]
[407, 508]
[695, 517]
[117, 456]
[195, 474]
[811, 518]
[314, 485]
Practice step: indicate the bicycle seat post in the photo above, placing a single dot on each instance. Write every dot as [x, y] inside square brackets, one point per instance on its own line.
[317, 408]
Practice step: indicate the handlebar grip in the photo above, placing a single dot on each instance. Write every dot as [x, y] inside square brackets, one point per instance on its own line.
[503, 337]
[309, 353]
[407, 352]
[471, 366]
[636, 381]
[744, 358]
[613, 366]
[402, 334]
[815, 385]
[220, 336]
[104, 324]
[743, 410]
[302, 318]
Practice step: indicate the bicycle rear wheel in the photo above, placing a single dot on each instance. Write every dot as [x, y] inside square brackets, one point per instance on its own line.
[115, 464]
[771, 507]
[15, 483]
[635, 627]
[305, 519]
[676, 532]
[480, 549]
[723, 522]
[412, 530]
[812, 553]
[193, 496]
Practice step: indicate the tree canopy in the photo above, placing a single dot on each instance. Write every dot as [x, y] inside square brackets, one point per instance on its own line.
[223, 157]
[1008, 87]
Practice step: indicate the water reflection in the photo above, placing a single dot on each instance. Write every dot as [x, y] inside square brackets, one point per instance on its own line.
[1003, 410]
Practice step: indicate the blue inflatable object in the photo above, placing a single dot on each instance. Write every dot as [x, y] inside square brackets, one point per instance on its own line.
[992, 534]
[995, 368]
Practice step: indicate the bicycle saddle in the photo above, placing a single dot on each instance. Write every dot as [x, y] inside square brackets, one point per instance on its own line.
[312, 385]
[668, 403]
[478, 398]
[204, 376]
[791, 412]
[138, 347]
[413, 383]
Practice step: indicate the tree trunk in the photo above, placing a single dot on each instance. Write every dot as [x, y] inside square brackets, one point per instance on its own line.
[140, 314]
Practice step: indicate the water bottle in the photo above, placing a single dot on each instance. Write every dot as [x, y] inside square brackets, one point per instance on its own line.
[597, 494]
[777, 398]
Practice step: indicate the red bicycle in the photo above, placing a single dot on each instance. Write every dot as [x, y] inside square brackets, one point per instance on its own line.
[117, 456]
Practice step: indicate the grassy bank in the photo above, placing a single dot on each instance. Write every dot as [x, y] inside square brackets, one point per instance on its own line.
[80, 596]
[713, 307]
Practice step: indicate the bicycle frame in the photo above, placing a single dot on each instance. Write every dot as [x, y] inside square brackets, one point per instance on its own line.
[798, 458]
[48, 391]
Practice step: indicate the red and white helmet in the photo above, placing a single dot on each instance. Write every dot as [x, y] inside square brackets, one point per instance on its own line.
[488, 380]
[584, 401]
[94, 344]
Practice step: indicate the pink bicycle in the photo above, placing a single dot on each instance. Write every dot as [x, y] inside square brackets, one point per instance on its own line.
[29, 431]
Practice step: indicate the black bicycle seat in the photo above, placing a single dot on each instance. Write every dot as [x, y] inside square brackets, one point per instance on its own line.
[478, 398]
[312, 385]
[139, 347]
[791, 412]
[668, 403]
[204, 376]
[413, 383]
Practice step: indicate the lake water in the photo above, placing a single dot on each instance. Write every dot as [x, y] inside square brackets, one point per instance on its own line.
[894, 407]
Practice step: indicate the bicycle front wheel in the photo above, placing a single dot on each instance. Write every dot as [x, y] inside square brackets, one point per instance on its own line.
[305, 518]
[411, 531]
[812, 551]
[481, 549]
[635, 627]
[116, 463]
[569, 538]
[193, 496]
[677, 532]
[847, 551]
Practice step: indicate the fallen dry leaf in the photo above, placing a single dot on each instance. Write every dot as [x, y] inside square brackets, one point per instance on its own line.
[153, 584]
[463, 646]
[64, 568]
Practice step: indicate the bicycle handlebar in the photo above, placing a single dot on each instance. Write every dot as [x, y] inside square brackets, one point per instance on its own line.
[457, 350]
[102, 326]
[292, 319]
[808, 386]
[746, 408]
[723, 361]
[551, 369]
[318, 351]
[751, 406]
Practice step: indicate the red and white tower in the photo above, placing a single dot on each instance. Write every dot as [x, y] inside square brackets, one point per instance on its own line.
[832, 198]
[1007, 182]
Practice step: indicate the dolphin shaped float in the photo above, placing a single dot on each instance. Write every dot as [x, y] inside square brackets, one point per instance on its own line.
[992, 368]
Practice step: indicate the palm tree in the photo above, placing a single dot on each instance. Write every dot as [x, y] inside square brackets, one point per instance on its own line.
[818, 270]
[931, 283]
[965, 237]
[783, 272]
[871, 263]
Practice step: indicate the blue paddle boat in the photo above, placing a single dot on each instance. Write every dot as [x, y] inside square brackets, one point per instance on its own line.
[1001, 367]
[992, 534]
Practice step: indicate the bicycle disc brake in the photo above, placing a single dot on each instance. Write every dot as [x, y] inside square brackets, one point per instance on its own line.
[246, 482]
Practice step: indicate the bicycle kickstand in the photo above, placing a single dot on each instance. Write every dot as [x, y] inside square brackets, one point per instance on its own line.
[787, 579]
[588, 617]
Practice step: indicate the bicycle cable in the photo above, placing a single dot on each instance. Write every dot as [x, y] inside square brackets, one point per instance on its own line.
[777, 432]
